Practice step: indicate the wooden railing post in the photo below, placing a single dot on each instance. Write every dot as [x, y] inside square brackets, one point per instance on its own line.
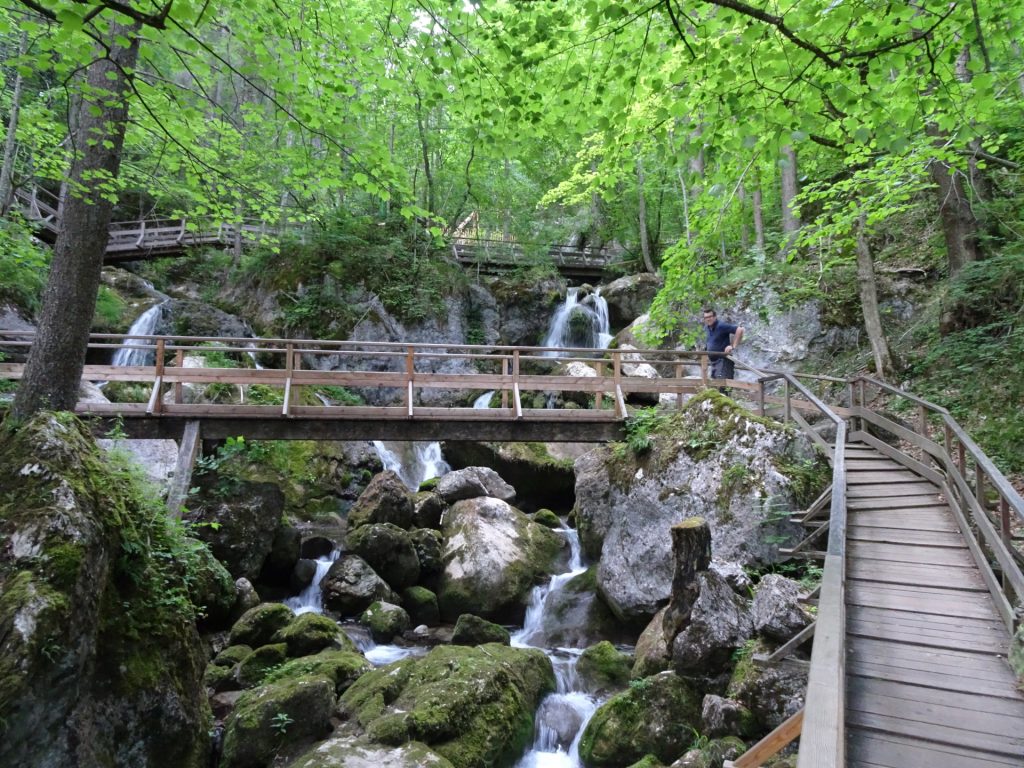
[620, 402]
[410, 367]
[680, 374]
[786, 406]
[760, 397]
[515, 384]
[296, 365]
[704, 371]
[156, 399]
[922, 428]
[179, 361]
[504, 373]
[289, 360]
[142, 233]
[599, 395]
[979, 486]
[1006, 533]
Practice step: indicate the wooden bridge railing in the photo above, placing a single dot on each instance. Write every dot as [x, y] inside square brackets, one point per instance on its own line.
[986, 505]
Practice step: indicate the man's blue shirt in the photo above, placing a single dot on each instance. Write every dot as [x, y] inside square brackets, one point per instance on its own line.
[718, 335]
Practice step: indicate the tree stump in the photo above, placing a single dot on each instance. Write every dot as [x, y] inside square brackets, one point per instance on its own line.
[691, 549]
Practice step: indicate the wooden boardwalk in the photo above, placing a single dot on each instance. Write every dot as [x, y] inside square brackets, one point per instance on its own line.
[927, 682]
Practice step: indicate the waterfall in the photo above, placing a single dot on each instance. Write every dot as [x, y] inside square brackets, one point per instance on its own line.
[563, 714]
[413, 462]
[579, 323]
[484, 401]
[144, 325]
[310, 600]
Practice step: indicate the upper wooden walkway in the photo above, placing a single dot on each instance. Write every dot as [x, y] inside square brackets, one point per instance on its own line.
[149, 238]
[921, 586]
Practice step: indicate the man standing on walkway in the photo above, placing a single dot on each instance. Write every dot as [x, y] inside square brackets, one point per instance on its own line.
[723, 338]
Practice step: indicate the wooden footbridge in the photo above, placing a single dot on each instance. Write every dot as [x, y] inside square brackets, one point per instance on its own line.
[919, 532]
[150, 238]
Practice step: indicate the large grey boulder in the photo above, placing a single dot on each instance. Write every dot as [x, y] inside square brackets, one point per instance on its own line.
[719, 623]
[777, 612]
[493, 555]
[576, 617]
[714, 460]
[351, 585]
[186, 317]
[629, 297]
[385, 500]
[343, 751]
[472, 482]
[773, 693]
[389, 550]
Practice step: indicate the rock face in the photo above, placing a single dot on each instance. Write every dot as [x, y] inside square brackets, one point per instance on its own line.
[657, 716]
[576, 617]
[719, 623]
[713, 460]
[385, 500]
[183, 317]
[493, 554]
[246, 525]
[349, 752]
[777, 612]
[629, 297]
[97, 635]
[389, 550]
[471, 482]
[540, 479]
[473, 706]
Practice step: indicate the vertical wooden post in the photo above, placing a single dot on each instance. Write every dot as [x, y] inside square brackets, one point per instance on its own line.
[786, 407]
[760, 397]
[504, 391]
[922, 428]
[1006, 534]
[704, 370]
[289, 359]
[961, 458]
[179, 361]
[680, 374]
[188, 450]
[158, 401]
[518, 403]
[296, 365]
[947, 436]
[620, 405]
[599, 395]
[410, 366]
[979, 487]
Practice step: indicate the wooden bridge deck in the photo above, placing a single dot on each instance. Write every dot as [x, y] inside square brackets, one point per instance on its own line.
[927, 682]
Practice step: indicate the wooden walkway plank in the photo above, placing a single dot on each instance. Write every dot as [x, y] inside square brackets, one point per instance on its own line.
[919, 488]
[975, 737]
[949, 577]
[887, 535]
[973, 702]
[855, 476]
[930, 501]
[897, 554]
[891, 751]
[921, 600]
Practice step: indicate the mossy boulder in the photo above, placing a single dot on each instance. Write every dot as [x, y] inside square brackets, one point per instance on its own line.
[341, 667]
[652, 653]
[219, 679]
[250, 671]
[283, 555]
[602, 668]
[258, 625]
[347, 752]
[385, 500]
[429, 546]
[97, 629]
[648, 761]
[473, 706]
[389, 550]
[277, 716]
[493, 556]
[311, 633]
[232, 655]
[351, 585]
[472, 630]
[547, 518]
[657, 715]
[421, 605]
[385, 621]
[428, 506]
[540, 478]
[212, 588]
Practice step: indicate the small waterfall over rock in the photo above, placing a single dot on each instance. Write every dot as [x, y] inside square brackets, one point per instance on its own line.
[310, 600]
[144, 325]
[562, 715]
[579, 322]
[484, 401]
[413, 462]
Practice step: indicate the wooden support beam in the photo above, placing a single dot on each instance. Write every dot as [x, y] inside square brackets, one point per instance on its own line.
[771, 744]
[786, 648]
[181, 482]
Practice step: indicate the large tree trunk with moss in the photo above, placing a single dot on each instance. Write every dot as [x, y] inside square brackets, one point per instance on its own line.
[7, 172]
[645, 242]
[869, 303]
[54, 367]
[960, 227]
[790, 189]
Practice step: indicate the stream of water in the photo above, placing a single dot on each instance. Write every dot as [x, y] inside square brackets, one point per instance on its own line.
[413, 462]
[579, 323]
[144, 325]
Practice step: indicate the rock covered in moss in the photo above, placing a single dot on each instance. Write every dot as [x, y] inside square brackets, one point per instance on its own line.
[472, 630]
[713, 460]
[97, 632]
[773, 693]
[429, 545]
[283, 555]
[648, 761]
[253, 668]
[232, 655]
[428, 507]
[340, 667]
[347, 752]
[272, 717]
[493, 555]
[311, 633]
[657, 715]
[473, 482]
[421, 605]
[243, 534]
[726, 717]
[258, 625]
[350, 585]
[712, 754]
[385, 500]
[474, 706]
[719, 623]
[385, 621]
[547, 518]
[389, 550]
[246, 598]
[212, 588]
[603, 668]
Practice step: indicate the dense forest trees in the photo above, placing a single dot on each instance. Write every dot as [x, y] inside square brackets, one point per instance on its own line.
[714, 140]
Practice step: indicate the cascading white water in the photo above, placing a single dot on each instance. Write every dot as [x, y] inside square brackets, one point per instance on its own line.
[413, 462]
[144, 325]
[379, 655]
[563, 714]
[579, 323]
[484, 401]
[310, 600]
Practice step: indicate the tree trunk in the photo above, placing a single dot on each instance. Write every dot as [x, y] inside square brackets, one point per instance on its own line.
[425, 149]
[959, 224]
[54, 368]
[691, 550]
[645, 244]
[790, 189]
[756, 204]
[7, 172]
[741, 195]
[869, 303]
